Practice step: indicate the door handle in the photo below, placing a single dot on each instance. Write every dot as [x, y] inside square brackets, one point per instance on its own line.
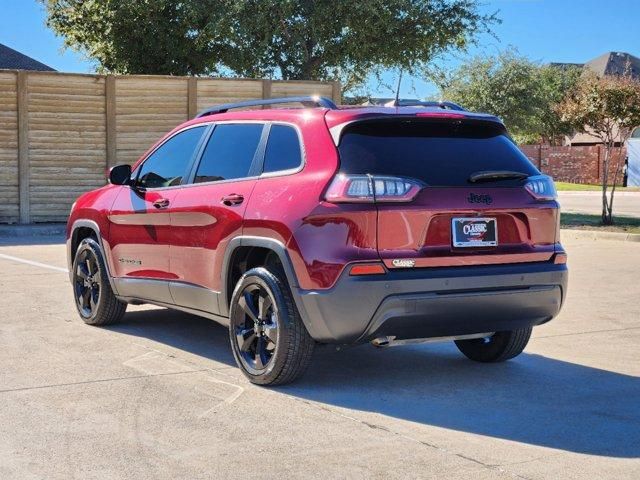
[233, 199]
[162, 203]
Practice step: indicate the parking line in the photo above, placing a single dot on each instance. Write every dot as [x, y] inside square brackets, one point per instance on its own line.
[35, 264]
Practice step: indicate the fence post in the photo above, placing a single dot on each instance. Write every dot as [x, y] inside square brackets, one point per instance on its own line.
[336, 92]
[540, 157]
[192, 97]
[110, 120]
[23, 146]
[266, 89]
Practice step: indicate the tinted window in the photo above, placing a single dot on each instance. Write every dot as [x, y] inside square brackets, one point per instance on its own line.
[168, 164]
[438, 153]
[229, 152]
[283, 149]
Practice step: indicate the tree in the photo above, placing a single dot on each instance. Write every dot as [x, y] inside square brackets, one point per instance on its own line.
[521, 92]
[609, 109]
[555, 83]
[146, 36]
[289, 39]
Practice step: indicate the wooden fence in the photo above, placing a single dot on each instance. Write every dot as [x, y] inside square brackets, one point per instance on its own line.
[59, 132]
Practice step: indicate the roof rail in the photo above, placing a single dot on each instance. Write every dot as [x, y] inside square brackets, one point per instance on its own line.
[420, 103]
[308, 101]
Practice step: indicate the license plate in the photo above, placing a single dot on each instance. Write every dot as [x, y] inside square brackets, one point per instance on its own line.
[474, 232]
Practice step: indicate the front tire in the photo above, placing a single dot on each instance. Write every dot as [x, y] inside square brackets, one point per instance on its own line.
[94, 299]
[269, 341]
[499, 347]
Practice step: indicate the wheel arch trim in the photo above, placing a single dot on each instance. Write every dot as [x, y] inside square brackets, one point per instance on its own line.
[250, 241]
[314, 325]
[84, 223]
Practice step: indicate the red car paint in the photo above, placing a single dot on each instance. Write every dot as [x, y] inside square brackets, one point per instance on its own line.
[187, 240]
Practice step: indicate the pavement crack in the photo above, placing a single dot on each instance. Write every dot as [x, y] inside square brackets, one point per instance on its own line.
[375, 426]
[102, 380]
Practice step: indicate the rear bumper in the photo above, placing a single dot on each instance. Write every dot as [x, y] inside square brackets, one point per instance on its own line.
[434, 302]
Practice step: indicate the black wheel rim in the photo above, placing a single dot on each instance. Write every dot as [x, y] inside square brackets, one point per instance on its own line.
[87, 283]
[255, 327]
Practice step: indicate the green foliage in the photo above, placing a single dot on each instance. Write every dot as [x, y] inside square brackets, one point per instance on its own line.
[290, 39]
[609, 109]
[522, 93]
[606, 107]
[146, 36]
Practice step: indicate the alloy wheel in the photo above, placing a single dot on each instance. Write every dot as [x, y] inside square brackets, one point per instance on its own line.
[87, 283]
[256, 327]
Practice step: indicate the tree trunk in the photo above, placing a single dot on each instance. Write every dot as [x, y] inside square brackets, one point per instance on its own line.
[606, 218]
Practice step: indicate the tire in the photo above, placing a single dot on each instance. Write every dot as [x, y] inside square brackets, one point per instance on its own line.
[94, 299]
[269, 341]
[501, 346]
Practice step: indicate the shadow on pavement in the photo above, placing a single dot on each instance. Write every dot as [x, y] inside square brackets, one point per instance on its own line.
[532, 399]
[190, 333]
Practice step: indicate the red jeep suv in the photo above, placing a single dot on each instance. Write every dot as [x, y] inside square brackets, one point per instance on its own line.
[293, 226]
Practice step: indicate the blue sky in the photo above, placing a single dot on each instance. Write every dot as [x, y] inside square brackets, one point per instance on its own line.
[543, 30]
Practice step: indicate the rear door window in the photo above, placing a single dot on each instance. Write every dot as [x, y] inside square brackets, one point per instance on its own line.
[437, 153]
[283, 150]
[229, 153]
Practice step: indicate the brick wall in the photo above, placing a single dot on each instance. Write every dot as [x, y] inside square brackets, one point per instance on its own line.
[583, 164]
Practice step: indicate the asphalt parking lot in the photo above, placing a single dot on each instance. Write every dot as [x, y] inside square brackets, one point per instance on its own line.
[158, 396]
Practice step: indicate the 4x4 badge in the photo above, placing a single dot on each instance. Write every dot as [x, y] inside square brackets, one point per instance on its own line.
[480, 198]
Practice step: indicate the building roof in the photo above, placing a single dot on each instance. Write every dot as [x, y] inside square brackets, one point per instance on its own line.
[615, 63]
[14, 60]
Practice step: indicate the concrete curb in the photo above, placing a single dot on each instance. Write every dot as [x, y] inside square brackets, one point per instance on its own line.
[36, 230]
[595, 235]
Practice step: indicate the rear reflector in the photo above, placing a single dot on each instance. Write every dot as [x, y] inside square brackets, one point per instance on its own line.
[367, 269]
[560, 258]
[372, 188]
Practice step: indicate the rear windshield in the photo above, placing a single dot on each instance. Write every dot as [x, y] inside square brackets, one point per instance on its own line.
[438, 153]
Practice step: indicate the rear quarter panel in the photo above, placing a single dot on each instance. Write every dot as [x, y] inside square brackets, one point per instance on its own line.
[320, 237]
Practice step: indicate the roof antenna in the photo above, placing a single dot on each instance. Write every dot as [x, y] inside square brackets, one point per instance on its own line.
[396, 103]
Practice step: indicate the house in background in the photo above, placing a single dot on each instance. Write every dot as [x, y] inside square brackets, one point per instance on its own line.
[615, 63]
[610, 63]
[13, 60]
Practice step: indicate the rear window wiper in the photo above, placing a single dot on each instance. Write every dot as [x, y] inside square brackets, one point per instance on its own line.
[488, 175]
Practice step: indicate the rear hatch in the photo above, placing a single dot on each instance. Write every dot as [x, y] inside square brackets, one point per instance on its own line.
[449, 192]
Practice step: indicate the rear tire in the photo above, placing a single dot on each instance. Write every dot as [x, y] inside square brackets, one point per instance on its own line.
[94, 299]
[269, 341]
[501, 346]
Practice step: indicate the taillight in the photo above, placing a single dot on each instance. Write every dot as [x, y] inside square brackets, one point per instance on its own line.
[541, 187]
[372, 188]
[560, 258]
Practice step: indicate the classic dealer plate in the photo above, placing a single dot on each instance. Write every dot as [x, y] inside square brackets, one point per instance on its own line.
[474, 232]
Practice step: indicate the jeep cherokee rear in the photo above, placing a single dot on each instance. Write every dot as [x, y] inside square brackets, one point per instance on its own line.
[354, 225]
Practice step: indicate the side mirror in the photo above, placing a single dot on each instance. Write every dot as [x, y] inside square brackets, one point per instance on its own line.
[120, 175]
